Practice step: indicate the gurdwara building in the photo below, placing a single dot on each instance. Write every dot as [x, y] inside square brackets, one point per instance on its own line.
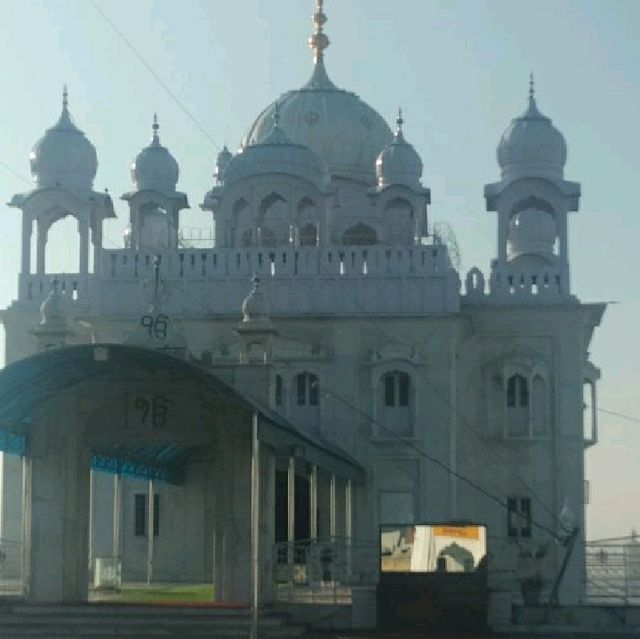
[388, 387]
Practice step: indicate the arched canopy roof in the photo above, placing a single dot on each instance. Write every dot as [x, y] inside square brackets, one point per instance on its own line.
[27, 383]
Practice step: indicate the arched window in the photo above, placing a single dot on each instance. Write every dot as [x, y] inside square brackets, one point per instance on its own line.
[517, 406]
[395, 405]
[360, 235]
[308, 235]
[307, 389]
[396, 389]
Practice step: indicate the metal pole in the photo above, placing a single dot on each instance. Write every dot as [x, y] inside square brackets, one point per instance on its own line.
[313, 502]
[150, 533]
[332, 506]
[91, 516]
[117, 513]
[291, 509]
[348, 522]
[255, 525]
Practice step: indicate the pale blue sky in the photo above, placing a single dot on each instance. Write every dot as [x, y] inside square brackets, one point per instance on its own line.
[460, 71]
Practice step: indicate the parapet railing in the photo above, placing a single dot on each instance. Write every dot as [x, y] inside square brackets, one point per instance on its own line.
[241, 263]
[512, 284]
[324, 570]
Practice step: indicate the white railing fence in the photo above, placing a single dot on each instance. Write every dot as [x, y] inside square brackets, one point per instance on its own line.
[324, 571]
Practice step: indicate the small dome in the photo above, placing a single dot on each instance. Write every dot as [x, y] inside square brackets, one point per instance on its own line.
[52, 312]
[531, 146]
[276, 153]
[224, 157]
[255, 307]
[399, 163]
[63, 156]
[531, 232]
[154, 168]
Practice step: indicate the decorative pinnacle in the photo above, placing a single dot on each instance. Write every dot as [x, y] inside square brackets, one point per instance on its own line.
[532, 86]
[65, 98]
[319, 40]
[155, 127]
[400, 120]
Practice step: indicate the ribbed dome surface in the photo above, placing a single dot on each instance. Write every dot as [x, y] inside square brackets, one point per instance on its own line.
[399, 162]
[276, 153]
[531, 146]
[342, 129]
[154, 167]
[63, 156]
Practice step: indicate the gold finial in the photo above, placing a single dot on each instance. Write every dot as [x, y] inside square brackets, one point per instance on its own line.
[65, 97]
[276, 115]
[400, 120]
[319, 40]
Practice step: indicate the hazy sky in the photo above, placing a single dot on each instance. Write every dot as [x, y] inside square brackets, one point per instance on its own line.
[460, 72]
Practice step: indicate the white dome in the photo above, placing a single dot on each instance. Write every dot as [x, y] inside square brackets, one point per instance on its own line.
[531, 232]
[154, 168]
[342, 129]
[63, 156]
[399, 162]
[276, 153]
[532, 147]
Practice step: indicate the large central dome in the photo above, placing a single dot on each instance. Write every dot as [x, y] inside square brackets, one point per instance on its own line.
[342, 129]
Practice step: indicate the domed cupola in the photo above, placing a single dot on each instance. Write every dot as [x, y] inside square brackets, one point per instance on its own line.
[399, 163]
[336, 124]
[154, 168]
[531, 146]
[276, 153]
[63, 156]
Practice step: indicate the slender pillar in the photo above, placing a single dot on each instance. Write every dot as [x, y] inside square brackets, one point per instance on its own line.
[43, 231]
[27, 230]
[348, 509]
[91, 518]
[83, 230]
[291, 501]
[96, 239]
[313, 502]
[332, 506]
[255, 525]
[348, 522]
[150, 533]
[117, 514]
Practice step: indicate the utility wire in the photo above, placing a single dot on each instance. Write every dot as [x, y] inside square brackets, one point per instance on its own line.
[156, 77]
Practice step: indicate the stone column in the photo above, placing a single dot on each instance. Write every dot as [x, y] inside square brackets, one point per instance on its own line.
[313, 502]
[117, 515]
[27, 230]
[96, 239]
[57, 504]
[43, 231]
[83, 231]
[233, 516]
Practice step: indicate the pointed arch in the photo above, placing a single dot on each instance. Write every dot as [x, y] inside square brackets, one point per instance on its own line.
[360, 235]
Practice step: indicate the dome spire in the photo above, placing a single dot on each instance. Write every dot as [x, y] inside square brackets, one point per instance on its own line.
[155, 127]
[399, 136]
[318, 42]
[65, 121]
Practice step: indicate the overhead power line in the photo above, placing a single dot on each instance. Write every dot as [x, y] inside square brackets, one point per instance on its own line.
[155, 76]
